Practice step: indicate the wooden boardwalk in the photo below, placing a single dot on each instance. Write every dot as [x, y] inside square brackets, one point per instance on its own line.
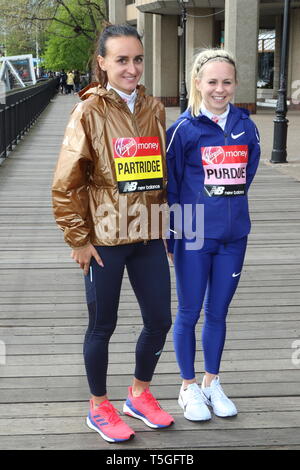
[43, 316]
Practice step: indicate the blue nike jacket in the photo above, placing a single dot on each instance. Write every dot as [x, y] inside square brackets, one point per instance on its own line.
[212, 168]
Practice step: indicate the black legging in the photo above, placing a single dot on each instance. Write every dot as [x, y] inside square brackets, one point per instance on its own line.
[148, 271]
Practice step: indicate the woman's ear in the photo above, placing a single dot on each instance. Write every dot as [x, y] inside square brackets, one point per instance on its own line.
[101, 62]
[198, 84]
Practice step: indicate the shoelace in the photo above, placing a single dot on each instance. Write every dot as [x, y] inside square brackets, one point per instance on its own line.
[149, 398]
[217, 392]
[195, 394]
[110, 412]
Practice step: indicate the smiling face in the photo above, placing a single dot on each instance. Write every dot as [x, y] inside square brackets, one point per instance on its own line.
[217, 83]
[123, 62]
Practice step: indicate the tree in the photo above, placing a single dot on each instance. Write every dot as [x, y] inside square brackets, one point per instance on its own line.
[66, 50]
[72, 35]
[67, 28]
[18, 33]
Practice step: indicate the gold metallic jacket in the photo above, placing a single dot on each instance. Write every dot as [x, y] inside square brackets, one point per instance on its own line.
[85, 187]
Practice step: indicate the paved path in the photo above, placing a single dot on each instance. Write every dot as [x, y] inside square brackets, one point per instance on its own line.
[43, 390]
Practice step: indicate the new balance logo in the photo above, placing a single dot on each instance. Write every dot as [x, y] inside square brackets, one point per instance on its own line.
[217, 190]
[130, 187]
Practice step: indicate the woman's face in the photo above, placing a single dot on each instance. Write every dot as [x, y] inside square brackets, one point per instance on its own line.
[217, 85]
[124, 62]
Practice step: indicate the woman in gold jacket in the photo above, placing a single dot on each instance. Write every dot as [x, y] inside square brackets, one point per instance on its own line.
[108, 195]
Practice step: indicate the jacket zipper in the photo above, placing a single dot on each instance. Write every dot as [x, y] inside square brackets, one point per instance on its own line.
[229, 198]
[135, 126]
[145, 242]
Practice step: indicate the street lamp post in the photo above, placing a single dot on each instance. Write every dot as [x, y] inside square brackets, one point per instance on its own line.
[183, 90]
[279, 153]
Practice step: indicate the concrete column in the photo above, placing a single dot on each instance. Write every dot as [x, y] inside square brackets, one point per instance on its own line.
[157, 56]
[117, 11]
[241, 38]
[294, 60]
[165, 59]
[145, 28]
[199, 35]
[277, 53]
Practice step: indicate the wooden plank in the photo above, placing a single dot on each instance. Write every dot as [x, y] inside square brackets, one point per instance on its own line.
[8, 320]
[235, 327]
[78, 369]
[63, 424]
[76, 346]
[114, 357]
[32, 410]
[292, 335]
[197, 439]
[162, 392]
[231, 379]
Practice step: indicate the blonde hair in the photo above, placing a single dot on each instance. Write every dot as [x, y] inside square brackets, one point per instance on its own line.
[205, 56]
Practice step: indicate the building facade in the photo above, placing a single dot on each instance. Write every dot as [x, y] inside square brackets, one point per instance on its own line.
[250, 29]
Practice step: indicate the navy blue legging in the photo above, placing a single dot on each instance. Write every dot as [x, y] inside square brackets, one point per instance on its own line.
[148, 272]
[209, 275]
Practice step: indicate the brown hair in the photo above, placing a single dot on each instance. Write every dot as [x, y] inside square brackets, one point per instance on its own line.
[110, 31]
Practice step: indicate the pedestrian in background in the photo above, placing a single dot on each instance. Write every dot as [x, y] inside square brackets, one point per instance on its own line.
[76, 81]
[63, 82]
[212, 155]
[70, 82]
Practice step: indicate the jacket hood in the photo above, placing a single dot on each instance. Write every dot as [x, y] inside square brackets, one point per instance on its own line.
[96, 89]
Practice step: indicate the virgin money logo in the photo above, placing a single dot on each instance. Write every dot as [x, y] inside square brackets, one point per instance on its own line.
[227, 154]
[126, 147]
[213, 155]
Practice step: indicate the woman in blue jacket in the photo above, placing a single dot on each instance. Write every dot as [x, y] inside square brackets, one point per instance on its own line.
[213, 153]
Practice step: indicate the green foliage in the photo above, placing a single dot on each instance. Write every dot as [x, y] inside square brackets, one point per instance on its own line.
[20, 42]
[66, 53]
[64, 30]
[72, 36]
[19, 34]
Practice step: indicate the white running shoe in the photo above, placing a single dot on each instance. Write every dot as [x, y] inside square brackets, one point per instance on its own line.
[215, 397]
[192, 402]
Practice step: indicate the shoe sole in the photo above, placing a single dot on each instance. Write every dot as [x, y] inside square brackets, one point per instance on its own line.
[104, 436]
[185, 414]
[223, 416]
[128, 411]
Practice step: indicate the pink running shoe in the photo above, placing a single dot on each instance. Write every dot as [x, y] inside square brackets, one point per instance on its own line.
[147, 408]
[105, 420]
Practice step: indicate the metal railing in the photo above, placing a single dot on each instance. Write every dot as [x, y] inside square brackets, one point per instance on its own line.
[21, 110]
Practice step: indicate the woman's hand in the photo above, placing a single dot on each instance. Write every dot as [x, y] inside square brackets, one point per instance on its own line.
[83, 256]
[171, 257]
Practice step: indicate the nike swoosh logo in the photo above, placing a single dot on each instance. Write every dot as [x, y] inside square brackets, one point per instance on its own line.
[236, 136]
[236, 275]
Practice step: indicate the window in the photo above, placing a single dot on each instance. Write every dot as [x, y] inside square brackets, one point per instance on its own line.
[266, 50]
